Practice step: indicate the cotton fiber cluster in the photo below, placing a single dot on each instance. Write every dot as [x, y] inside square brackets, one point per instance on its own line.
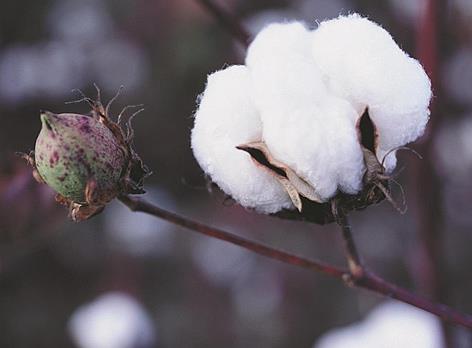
[302, 93]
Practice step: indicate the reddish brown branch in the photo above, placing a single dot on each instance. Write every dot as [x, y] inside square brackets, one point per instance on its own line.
[228, 21]
[137, 204]
[376, 284]
[361, 277]
[367, 280]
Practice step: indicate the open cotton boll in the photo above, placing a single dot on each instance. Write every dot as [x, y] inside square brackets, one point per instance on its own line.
[362, 63]
[297, 108]
[309, 130]
[226, 118]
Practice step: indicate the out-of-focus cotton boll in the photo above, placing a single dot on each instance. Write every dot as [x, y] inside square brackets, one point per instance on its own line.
[454, 150]
[408, 10]
[303, 126]
[464, 9]
[141, 235]
[457, 76]
[362, 63]
[113, 320]
[223, 264]
[226, 118]
[391, 325]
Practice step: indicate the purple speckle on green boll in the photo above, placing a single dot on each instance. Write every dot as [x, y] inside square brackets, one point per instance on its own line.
[71, 149]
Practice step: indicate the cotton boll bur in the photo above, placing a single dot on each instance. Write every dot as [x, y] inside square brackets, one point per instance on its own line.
[87, 159]
[362, 63]
[72, 148]
[226, 118]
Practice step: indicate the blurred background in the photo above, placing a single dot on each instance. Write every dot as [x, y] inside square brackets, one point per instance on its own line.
[126, 280]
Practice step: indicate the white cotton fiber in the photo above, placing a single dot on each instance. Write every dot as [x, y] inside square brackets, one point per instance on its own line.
[362, 63]
[303, 126]
[320, 144]
[282, 68]
[302, 93]
[226, 118]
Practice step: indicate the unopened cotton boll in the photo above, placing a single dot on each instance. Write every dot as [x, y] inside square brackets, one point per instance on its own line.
[303, 126]
[361, 62]
[226, 118]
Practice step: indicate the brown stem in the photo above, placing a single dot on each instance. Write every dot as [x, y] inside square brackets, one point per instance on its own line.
[137, 204]
[368, 280]
[353, 259]
[376, 284]
[227, 20]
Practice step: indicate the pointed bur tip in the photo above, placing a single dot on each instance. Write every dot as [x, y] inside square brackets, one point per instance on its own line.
[47, 119]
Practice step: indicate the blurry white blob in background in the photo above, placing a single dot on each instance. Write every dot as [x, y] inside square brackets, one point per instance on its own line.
[390, 325]
[47, 69]
[80, 21]
[463, 8]
[84, 47]
[259, 295]
[223, 264]
[457, 76]
[408, 11]
[141, 234]
[257, 300]
[113, 320]
[453, 149]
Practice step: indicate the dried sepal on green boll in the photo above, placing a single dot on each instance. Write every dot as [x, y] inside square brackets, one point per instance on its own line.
[87, 159]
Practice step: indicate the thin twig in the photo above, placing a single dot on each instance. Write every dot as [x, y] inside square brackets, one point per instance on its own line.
[368, 280]
[353, 259]
[227, 20]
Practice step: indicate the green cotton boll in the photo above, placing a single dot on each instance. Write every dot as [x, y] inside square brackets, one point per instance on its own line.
[72, 149]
